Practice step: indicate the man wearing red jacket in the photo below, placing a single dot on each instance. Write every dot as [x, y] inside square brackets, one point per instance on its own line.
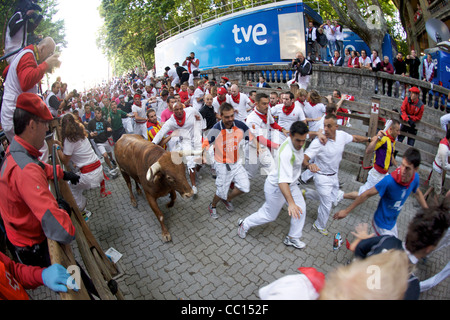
[23, 75]
[411, 112]
[29, 210]
[15, 278]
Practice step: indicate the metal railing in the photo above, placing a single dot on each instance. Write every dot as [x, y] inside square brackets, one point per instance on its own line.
[219, 12]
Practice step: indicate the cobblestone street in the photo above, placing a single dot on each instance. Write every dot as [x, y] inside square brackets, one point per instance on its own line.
[206, 260]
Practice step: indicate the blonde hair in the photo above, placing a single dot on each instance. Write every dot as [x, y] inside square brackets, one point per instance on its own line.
[382, 276]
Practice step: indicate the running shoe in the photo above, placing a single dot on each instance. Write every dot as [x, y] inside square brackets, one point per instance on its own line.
[241, 232]
[228, 205]
[322, 231]
[296, 243]
[212, 212]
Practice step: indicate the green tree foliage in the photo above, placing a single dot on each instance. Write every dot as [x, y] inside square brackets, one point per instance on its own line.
[131, 27]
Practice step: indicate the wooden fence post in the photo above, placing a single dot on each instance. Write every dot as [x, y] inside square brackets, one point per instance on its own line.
[373, 128]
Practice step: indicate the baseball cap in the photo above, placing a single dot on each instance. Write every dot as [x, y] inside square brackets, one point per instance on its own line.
[33, 104]
[222, 90]
[414, 89]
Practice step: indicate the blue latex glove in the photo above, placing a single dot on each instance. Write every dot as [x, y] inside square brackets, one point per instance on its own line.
[55, 277]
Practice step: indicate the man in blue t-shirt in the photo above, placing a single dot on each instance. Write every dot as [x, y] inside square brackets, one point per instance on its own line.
[393, 189]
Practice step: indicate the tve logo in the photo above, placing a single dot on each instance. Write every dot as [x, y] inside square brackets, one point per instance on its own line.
[255, 32]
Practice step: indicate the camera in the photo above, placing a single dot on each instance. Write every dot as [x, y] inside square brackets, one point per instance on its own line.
[188, 58]
[27, 5]
[296, 61]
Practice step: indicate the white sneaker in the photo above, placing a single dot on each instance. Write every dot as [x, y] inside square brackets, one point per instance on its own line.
[322, 231]
[241, 232]
[194, 188]
[296, 243]
[339, 197]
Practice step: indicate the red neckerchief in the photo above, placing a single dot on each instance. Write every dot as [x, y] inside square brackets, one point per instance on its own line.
[251, 100]
[312, 104]
[180, 122]
[221, 101]
[335, 59]
[237, 98]
[396, 174]
[445, 142]
[298, 99]
[200, 88]
[262, 116]
[390, 137]
[287, 110]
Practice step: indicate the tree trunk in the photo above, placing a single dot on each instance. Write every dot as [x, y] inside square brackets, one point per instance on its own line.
[371, 30]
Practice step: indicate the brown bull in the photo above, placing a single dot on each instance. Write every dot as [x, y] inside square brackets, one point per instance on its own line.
[152, 167]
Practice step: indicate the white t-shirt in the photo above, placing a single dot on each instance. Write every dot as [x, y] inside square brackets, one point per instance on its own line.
[328, 157]
[365, 62]
[216, 104]
[140, 111]
[80, 152]
[288, 164]
[191, 131]
[241, 107]
[284, 120]
[314, 112]
[197, 94]
[257, 125]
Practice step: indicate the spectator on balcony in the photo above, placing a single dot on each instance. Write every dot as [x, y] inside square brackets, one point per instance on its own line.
[376, 66]
[303, 71]
[353, 62]
[262, 83]
[427, 74]
[400, 69]
[364, 60]
[311, 45]
[386, 66]
[414, 63]
[322, 43]
[411, 112]
[330, 32]
[337, 60]
[192, 64]
[339, 38]
[346, 57]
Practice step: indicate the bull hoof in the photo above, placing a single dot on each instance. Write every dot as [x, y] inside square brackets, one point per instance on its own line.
[139, 192]
[134, 203]
[166, 237]
[170, 204]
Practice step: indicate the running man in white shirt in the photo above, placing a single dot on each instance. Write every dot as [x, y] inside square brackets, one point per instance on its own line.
[186, 124]
[325, 168]
[287, 112]
[281, 187]
[140, 116]
[262, 124]
[240, 102]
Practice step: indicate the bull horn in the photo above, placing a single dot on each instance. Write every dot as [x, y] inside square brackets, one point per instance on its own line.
[154, 169]
[185, 153]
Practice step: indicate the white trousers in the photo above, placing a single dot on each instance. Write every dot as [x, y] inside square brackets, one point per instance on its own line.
[263, 161]
[87, 181]
[141, 128]
[128, 124]
[272, 207]
[236, 174]
[326, 191]
[373, 178]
